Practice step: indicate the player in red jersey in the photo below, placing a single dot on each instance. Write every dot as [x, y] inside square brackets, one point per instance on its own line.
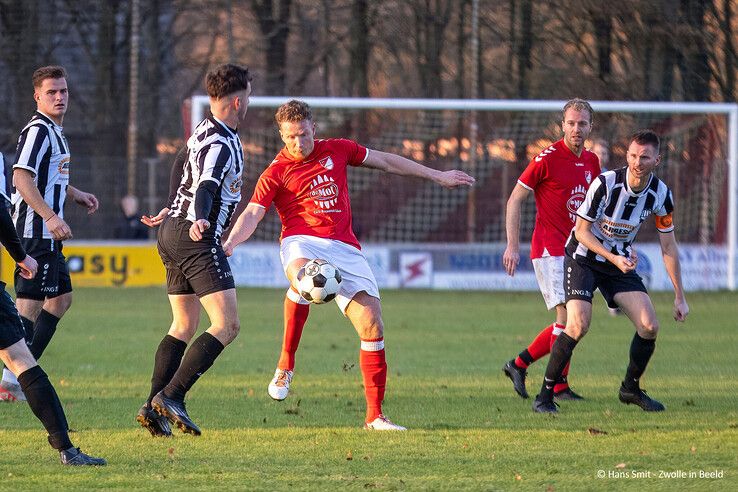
[559, 178]
[307, 183]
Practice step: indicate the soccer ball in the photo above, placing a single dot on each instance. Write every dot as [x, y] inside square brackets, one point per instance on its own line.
[318, 281]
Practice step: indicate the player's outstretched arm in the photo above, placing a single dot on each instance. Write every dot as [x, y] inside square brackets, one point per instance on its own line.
[175, 176]
[396, 164]
[583, 232]
[84, 199]
[244, 227]
[670, 254]
[511, 257]
[155, 220]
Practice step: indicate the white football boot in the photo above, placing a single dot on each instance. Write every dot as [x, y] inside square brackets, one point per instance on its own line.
[279, 387]
[11, 392]
[382, 423]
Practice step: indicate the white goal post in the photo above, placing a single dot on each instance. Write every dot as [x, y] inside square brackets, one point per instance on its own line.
[729, 112]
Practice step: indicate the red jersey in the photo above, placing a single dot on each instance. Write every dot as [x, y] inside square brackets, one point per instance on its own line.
[559, 180]
[311, 196]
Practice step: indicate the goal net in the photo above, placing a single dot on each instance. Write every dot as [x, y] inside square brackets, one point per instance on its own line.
[696, 151]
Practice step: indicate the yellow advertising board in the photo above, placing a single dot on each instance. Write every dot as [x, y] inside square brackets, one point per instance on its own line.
[105, 264]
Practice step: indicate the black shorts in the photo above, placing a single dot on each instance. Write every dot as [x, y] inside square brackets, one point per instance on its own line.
[193, 267]
[11, 326]
[583, 276]
[52, 278]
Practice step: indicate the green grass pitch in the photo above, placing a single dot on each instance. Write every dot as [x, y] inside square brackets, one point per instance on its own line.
[445, 350]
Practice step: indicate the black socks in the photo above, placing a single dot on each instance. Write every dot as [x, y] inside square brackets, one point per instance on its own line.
[560, 354]
[166, 362]
[201, 355]
[43, 330]
[525, 357]
[641, 350]
[46, 406]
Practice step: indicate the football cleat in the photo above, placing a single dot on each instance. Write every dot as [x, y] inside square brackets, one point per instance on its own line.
[640, 398]
[279, 387]
[175, 412]
[75, 457]
[157, 425]
[382, 423]
[7, 396]
[543, 406]
[567, 394]
[11, 392]
[517, 376]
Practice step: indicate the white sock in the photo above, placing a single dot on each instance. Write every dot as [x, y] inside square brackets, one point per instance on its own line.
[9, 377]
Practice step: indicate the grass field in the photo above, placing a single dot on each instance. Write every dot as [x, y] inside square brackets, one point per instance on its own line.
[469, 431]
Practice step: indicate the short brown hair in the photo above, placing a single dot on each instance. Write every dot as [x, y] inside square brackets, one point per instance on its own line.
[646, 137]
[227, 79]
[49, 72]
[578, 105]
[293, 111]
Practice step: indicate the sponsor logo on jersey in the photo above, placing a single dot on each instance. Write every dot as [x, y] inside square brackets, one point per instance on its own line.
[544, 153]
[324, 191]
[236, 185]
[64, 166]
[575, 201]
[616, 230]
[326, 162]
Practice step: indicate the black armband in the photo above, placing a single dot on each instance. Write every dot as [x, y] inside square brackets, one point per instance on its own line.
[9, 237]
[204, 197]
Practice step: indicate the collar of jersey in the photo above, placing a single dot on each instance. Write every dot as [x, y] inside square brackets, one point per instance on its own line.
[627, 184]
[48, 119]
[228, 128]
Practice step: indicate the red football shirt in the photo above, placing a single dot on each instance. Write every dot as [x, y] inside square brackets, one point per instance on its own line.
[311, 196]
[559, 180]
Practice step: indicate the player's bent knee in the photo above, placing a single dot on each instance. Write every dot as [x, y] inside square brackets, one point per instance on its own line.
[58, 305]
[576, 330]
[649, 330]
[229, 331]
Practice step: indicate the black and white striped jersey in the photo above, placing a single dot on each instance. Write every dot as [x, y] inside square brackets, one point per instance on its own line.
[42, 150]
[617, 213]
[214, 153]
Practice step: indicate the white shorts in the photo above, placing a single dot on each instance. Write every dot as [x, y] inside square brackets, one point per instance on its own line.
[356, 276]
[550, 275]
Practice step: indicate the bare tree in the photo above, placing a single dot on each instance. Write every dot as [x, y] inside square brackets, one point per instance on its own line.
[273, 17]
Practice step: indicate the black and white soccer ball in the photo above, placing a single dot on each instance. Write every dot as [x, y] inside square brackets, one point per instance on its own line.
[318, 281]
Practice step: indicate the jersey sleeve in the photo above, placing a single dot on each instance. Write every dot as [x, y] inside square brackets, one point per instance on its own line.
[534, 173]
[4, 192]
[663, 215]
[213, 161]
[593, 204]
[32, 146]
[265, 189]
[355, 154]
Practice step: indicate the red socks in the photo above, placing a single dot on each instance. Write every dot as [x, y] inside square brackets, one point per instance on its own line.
[374, 372]
[539, 347]
[296, 312]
